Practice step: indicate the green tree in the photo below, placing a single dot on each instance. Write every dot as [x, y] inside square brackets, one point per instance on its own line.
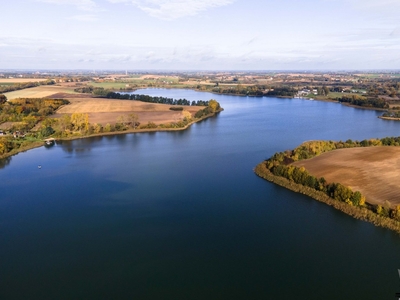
[3, 99]
[357, 198]
[46, 131]
[107, 128]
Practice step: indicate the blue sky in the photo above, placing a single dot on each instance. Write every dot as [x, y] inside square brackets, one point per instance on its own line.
[200, 34]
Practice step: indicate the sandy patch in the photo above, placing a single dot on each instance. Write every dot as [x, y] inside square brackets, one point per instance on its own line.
[374, 171]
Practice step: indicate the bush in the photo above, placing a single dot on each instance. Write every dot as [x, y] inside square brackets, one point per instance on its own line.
[46, 131]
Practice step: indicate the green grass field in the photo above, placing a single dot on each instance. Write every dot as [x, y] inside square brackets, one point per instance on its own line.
[334, 95]
[109, 85]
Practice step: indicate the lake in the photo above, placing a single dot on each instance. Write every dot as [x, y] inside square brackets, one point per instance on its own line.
[181, 215]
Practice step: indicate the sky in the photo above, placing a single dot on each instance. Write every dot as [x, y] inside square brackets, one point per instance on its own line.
[174, 35]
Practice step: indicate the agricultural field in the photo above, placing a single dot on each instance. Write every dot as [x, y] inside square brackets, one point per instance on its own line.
[371, 170]
[39, 92]
[103, 111]
[20, 80]
[109, 85]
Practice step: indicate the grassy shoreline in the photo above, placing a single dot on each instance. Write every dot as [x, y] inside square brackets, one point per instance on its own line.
[360, 213]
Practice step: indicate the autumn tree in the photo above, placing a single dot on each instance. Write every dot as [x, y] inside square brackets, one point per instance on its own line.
[134, 120]
[187, 116]
[214, 105]
[65, 122]
[97, 128]
[395, 214]
[80, 122]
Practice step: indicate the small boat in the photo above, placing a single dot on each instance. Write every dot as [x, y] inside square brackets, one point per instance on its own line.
[39, 166]
[49, 142]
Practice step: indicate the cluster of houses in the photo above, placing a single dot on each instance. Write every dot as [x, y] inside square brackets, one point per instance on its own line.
[306, 92]
[15, 134]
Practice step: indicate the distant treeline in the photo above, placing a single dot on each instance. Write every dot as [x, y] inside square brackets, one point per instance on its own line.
[101, 92]
[151, 99]
[86, 89]
[363, 101]
[280, 165]
[23, 85]
[282, 92]
[239, 90]
[255, 90]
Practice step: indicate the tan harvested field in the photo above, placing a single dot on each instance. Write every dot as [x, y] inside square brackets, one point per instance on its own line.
[105, 111]
[38, 92]
[20, 80]
[374, 171]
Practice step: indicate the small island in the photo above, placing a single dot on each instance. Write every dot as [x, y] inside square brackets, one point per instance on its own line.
[358, 178]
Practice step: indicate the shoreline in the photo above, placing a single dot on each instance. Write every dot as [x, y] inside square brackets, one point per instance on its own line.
[389, 118]
[360, 213]
[34, 145]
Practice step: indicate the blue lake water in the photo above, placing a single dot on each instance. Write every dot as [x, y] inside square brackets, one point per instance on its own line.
[181, 215]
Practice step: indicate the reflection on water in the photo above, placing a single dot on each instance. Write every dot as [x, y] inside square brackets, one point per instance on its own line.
[5, 162]
[78, 146]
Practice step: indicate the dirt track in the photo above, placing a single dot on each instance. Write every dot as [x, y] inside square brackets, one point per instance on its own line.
[374, 171]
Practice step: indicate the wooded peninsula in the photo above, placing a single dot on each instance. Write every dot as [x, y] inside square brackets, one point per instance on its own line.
[287, 169]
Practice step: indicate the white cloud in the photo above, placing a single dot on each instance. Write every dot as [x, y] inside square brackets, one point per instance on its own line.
[87, 5]
[173, 9]
[387, 7]
[84, 18]
[386, 4]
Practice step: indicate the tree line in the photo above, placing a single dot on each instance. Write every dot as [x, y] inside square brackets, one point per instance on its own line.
[363, 101]
[104, 93]
[255, 90]
[24, 85]
[157, 99]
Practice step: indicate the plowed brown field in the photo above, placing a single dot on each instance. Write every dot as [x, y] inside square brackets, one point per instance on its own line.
[105, 111]
[374, 171]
